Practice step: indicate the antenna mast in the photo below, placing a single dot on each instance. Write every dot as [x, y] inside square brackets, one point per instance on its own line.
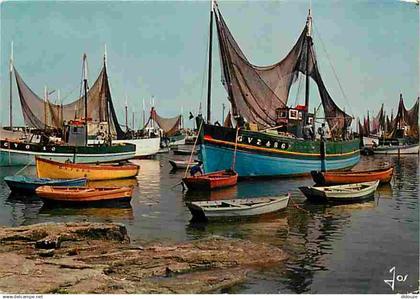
[210, 64]
[11, 90]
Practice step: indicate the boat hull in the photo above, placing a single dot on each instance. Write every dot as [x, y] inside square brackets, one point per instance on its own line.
[177, 140]
[211, 181]
[145, 147]
[21, 153]
[266, 155]
[343, 196]
[86, 195]
[397, 150]
[337, 178]
[177, 164]
[232, 211]
[24, 184]
[58, 170]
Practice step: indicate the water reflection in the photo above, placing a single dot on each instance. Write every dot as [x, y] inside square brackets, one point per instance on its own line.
[220, 194]
[123, 211]
[332, 248]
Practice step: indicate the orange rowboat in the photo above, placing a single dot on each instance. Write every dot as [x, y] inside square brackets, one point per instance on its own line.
[211, 181]
[352, 177]
[61, 170]
[82, 195]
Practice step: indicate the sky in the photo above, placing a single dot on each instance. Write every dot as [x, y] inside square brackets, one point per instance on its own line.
[159, 49]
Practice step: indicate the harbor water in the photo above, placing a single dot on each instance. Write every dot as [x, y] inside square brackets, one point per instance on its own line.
[349, 248]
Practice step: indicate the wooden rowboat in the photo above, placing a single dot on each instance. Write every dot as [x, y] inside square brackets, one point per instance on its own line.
[63, 170]
[82, 195]
[25, 184]
[181, 164]
[341, 193]
[210, 181]
[350, 177]
[237, 207]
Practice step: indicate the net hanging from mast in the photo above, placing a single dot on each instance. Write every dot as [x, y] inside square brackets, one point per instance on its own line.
[256, 92]
[42, 114]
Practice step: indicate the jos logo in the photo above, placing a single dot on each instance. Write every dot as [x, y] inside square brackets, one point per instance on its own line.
[397, 277]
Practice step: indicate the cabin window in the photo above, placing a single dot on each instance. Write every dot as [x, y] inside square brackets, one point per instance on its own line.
[310, 120]
[293, 114]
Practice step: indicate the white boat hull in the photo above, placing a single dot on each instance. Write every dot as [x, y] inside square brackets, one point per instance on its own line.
[22, 158]
[370, 141]
[397, 150]
[238, 207]
[178, 164]
[342, 193]
[145, 147]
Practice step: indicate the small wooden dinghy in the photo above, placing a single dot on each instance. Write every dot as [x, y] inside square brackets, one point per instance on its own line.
[25, 184]
[181, 164]
[82, 195]
[63, 170]
[210, 181]
[384, 175]
[237, 207]
[183, 152]
[341, 193]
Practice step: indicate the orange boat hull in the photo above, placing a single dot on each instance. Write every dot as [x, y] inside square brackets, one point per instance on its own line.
[211, 181]
[79, 195]
[61, 170]
[353, 177]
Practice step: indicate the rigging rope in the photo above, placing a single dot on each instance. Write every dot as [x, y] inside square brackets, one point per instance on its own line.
[332, 67]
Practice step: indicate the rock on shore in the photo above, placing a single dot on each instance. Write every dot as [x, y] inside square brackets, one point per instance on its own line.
[98, 258]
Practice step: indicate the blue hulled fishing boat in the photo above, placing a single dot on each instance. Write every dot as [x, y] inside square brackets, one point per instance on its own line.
[270, 137]
[25, 184]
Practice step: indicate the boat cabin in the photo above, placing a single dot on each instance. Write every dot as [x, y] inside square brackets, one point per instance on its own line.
[292, 120]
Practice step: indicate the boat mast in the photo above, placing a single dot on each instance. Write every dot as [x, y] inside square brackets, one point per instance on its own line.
[11, 91]
[126, 114]
[85, 96]
[210, 63]
[107, 108]
[45, 106]
[308, 48]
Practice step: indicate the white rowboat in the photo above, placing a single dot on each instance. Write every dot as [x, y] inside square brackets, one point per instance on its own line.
[237, 207]
[341, 193]
[181, 164]
[412, 149]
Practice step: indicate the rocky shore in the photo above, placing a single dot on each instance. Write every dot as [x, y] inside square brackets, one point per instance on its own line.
[98, 258]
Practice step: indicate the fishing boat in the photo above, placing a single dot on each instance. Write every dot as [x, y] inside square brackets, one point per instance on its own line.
[25, 184]
[171, 128]
[384, 175]
[66, 170]
[211, 181]
[64, 130]
[341, 193]
[274, 139]
[18, 153]
[237, 208]
[181, 164]
[402, 134]
[84, 195]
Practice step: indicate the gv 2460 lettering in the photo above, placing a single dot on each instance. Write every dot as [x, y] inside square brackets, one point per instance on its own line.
[261, 142]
